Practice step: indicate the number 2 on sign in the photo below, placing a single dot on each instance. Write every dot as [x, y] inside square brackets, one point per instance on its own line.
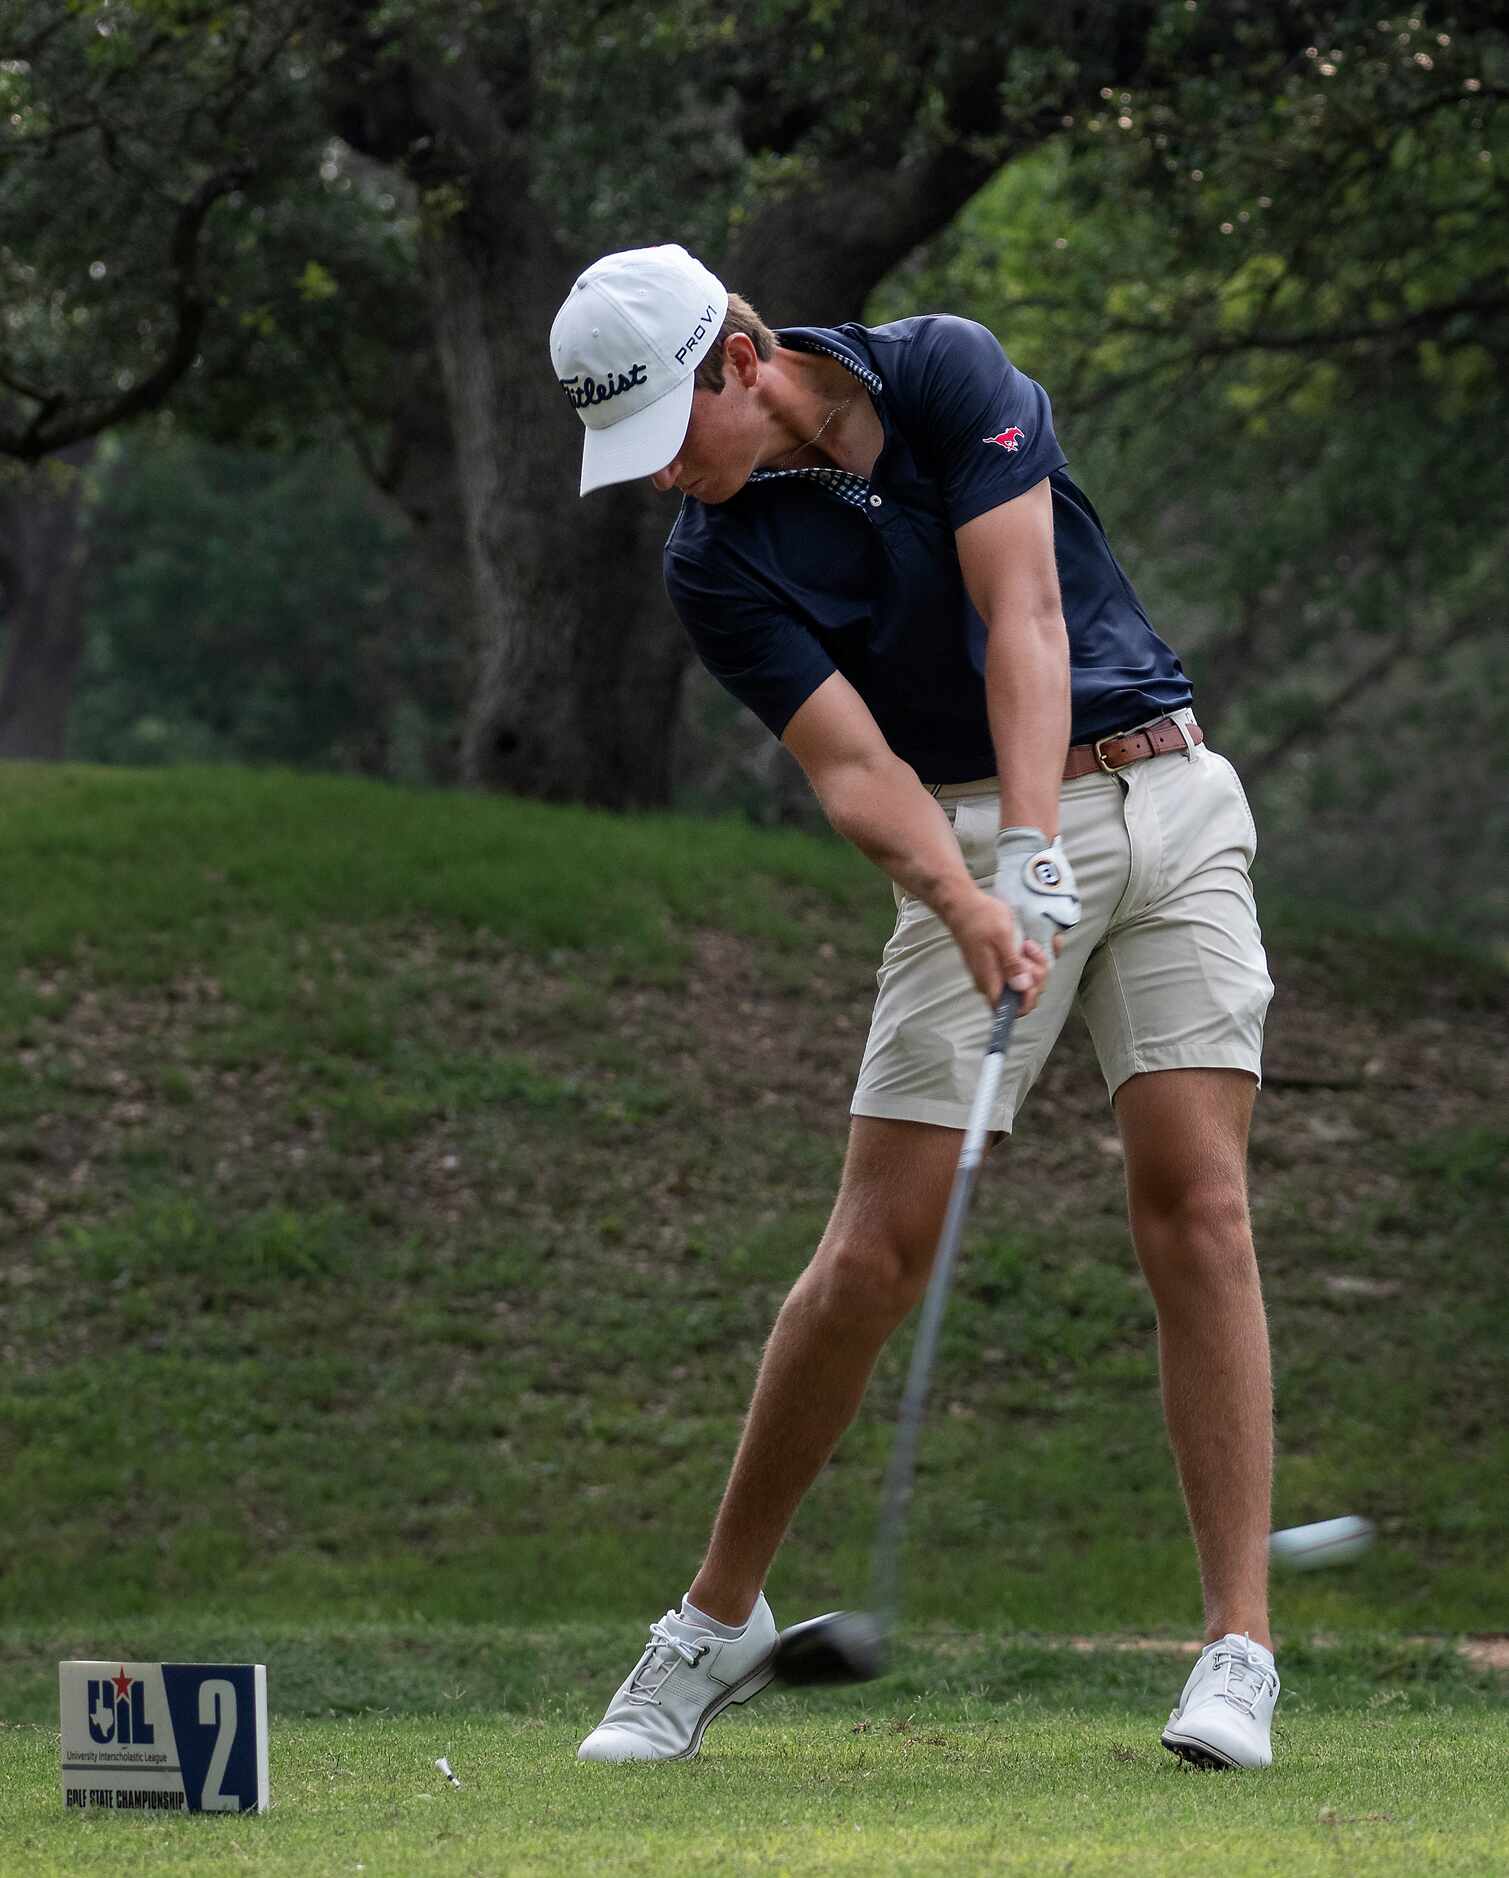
[217, 1704]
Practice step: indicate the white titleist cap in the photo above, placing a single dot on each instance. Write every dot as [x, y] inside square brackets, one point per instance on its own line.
[625, 344]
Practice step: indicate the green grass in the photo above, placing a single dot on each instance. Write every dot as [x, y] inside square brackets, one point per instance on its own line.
[146, 873]
[564, 1671]
[396, 1191]
[974, 1755]
[1038, 1794]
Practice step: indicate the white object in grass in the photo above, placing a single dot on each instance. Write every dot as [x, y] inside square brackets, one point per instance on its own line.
[1327, 1542]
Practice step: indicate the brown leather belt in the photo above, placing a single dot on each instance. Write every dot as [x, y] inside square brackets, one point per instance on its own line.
[1129, 746]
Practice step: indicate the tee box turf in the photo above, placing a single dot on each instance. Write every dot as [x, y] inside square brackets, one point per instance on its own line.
[164, 1737]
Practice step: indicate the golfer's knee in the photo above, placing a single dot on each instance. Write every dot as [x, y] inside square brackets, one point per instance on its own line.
[1198, 1232]
[873, 1278]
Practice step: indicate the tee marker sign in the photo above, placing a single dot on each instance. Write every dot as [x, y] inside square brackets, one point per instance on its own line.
[163, 1737]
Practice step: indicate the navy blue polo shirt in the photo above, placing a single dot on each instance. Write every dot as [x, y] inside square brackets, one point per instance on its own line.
[805, 573]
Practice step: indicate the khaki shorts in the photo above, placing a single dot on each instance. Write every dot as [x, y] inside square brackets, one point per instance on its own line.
[1166, 963]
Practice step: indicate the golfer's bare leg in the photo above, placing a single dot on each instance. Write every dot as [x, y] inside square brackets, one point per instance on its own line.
[870, 1268]
[1185, 1135]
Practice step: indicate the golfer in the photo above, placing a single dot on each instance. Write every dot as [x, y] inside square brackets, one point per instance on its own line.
[880, 553]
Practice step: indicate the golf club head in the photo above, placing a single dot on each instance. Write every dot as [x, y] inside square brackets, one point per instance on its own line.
[843, 1646]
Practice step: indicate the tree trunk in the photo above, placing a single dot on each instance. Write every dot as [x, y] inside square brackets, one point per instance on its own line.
[580, 658]
[42, 561]
[420, 476]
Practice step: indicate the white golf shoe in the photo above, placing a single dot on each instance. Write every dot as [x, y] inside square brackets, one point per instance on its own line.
[685, 1678]
[1226, 1711]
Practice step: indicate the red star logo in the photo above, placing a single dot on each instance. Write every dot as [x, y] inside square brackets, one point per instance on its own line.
[122, 1683]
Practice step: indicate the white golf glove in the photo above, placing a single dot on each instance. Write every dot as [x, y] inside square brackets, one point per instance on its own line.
[1034, 878]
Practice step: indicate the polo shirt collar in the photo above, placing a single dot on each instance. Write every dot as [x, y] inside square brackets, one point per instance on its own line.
[821, 339]
[842, 483]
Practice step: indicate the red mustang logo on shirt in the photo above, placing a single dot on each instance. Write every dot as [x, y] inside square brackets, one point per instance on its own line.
[1011, 439]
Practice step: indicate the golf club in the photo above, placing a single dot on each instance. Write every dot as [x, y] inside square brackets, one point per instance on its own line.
[852, 1646]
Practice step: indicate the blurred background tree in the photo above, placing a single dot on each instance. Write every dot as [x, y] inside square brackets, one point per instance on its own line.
[1278, 330]
[126, 130]
[185, 250]
[804, 149]
[1257, 253]
[283, 570]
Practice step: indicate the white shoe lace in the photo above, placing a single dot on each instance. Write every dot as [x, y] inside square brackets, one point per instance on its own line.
[1246, 1678]
[665, 1647]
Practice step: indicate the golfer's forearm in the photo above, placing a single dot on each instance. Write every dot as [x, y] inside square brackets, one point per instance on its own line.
[1027, 692]
[887, 814]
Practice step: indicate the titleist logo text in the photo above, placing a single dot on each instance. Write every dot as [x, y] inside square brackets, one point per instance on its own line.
[585, 391]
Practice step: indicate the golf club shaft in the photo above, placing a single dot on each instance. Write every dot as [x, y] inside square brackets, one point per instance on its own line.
[886, 1571]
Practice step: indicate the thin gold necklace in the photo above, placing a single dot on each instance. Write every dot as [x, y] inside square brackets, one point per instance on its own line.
[798, 448]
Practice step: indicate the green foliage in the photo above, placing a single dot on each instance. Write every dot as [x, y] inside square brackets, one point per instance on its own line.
[247, 608]
[220, 248]
[1269, 312]
[751, 106]
[1264, 282]
[97, 104]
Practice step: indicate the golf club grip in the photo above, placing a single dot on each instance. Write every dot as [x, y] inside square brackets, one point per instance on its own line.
[886, 1569]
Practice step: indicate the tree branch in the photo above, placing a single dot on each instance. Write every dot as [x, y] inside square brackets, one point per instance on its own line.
[41, 439]
[1319, 339]
[331, 364]
[246, 79]
[44, 144]
[22, 389]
